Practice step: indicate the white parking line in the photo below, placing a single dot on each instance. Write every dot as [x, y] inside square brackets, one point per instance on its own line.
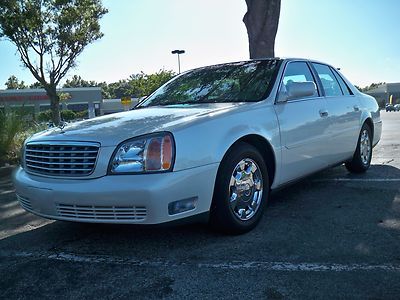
[359, 179]
[235, 265]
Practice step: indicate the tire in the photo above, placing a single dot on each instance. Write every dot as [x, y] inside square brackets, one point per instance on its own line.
[241, 190]
[362, 156]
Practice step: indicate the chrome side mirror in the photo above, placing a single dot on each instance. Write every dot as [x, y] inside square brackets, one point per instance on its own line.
[296, 90]
[282, 94]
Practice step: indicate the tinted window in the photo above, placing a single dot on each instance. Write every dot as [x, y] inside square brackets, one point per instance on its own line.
[328, 80]
[343, 85]
[235, 82]
[298, 72]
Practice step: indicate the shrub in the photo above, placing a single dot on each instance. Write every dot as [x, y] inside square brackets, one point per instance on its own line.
[15, 126]
[10, 125]
[44, 116]
[82, 114]
[66, 115]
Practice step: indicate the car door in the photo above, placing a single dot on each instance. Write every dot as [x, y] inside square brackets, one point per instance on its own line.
[344, 113]
[303, 126]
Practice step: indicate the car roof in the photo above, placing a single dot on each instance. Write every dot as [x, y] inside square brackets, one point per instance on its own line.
[307, 59]
[283, 59]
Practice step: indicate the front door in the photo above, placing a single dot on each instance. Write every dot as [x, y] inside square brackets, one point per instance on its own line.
[303, 126]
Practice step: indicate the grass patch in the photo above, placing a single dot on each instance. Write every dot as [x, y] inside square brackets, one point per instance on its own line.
[16, 125]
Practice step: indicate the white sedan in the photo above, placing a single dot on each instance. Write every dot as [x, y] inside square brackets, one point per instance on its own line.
[211, 144]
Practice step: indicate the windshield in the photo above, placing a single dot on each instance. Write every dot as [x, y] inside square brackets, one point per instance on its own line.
[235, 82]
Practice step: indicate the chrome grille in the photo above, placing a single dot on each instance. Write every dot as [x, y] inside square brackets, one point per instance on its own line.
[24, 202]
[61, 159]
[92, 212]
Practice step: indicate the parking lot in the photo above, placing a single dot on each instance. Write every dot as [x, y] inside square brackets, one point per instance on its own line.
[332, 235]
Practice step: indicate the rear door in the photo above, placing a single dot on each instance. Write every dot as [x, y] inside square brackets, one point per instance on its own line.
[303, 127]
[344, 113]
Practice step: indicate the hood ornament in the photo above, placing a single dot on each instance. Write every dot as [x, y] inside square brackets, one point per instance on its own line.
[61, 126]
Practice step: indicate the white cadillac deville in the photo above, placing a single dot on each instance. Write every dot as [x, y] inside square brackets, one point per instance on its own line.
[212, 142]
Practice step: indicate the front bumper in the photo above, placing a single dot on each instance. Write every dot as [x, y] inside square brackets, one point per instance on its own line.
[126, 199]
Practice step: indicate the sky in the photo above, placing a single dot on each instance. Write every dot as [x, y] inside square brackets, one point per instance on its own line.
[359, 36]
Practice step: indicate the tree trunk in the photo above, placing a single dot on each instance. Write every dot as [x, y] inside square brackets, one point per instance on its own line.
[261, 20]
[51, 91]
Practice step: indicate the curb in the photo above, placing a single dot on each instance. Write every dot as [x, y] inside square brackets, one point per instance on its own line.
[6, 171]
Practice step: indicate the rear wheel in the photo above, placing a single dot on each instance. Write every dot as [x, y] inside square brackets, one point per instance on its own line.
[362, 157]
[241, 190]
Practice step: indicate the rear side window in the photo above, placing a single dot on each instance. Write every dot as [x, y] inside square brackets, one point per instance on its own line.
[329, 83]
[298, 72]
[345, 88]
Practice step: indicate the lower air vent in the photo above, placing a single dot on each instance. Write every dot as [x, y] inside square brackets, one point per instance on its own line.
[92, 212]
[24, 202]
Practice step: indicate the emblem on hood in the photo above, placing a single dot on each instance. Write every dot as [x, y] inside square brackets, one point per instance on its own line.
[61, 126]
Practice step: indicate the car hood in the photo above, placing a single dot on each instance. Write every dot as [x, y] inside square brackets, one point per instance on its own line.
[112, 129]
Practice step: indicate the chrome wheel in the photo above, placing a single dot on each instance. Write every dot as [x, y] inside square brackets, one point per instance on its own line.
[245, 189]
[365, 147]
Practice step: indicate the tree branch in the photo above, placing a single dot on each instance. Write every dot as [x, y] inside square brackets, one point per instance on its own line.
[69, 63]
[28, 64]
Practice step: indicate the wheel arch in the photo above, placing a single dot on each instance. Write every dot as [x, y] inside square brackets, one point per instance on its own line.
[264, 147]
[370, 123]
[266, 150]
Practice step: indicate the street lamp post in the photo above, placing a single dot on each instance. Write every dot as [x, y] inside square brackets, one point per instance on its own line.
[179, 60]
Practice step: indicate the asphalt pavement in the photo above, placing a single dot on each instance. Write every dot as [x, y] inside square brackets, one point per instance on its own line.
[334, 235]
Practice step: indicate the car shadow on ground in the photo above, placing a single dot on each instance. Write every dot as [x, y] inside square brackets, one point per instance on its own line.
[311, 212]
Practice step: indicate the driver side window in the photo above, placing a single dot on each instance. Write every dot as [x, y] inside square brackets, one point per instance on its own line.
[298, 72]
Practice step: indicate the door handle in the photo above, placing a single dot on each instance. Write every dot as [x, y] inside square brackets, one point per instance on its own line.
[356, 108]
[323, 113]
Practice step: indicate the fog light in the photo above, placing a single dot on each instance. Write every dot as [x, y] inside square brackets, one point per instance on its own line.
[182, 205]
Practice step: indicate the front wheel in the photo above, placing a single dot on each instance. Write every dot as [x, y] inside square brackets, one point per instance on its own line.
[241, 190]
[362, 157]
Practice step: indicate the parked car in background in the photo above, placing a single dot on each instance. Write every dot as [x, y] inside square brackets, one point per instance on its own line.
[397, 107]
[212, 142]
[390, 107]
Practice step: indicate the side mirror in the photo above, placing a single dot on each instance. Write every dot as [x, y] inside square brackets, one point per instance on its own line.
[282, 94]
[296, 90]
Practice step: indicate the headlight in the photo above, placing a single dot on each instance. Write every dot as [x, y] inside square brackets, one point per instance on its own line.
[146, 154]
